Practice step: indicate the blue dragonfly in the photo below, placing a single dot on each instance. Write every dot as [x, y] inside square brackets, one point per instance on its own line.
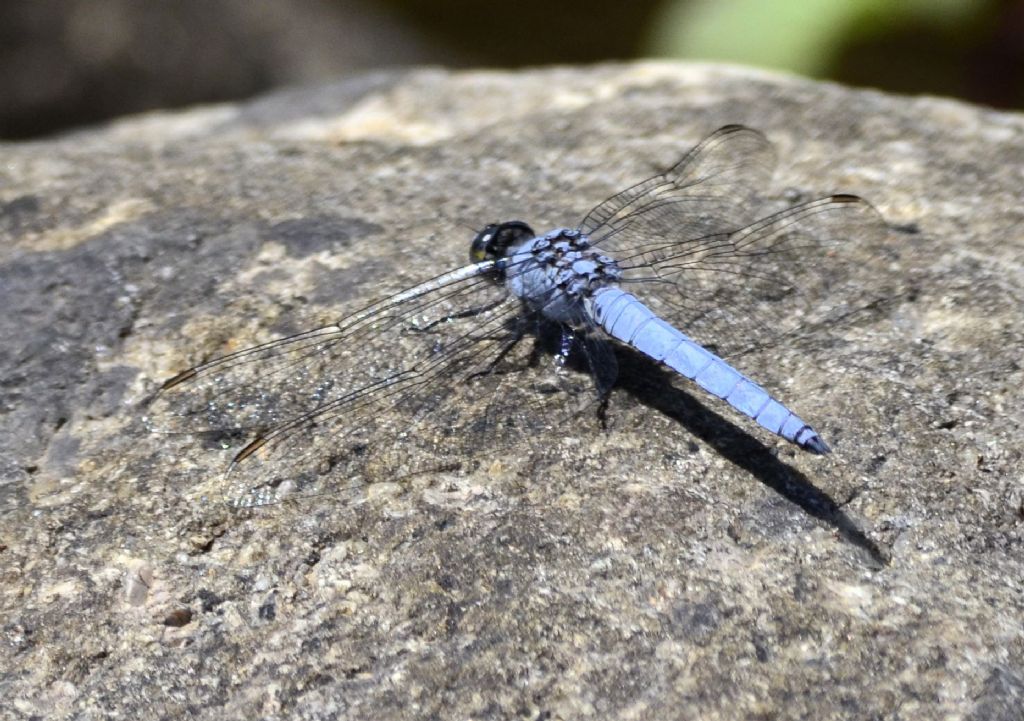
[682, 267]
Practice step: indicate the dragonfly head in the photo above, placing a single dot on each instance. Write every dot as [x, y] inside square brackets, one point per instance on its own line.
[493, 242]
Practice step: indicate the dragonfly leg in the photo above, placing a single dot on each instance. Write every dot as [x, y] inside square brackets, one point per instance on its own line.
[443, 320]
[565, 346]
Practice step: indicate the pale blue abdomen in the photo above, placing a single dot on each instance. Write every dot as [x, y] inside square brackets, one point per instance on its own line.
[624, 317]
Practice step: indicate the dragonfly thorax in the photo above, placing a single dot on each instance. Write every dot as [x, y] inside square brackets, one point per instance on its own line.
[553, 273]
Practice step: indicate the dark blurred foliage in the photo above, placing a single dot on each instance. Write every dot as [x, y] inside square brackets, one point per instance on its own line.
[981, 60]
[65, 63]
[72, 62]
[532, 32]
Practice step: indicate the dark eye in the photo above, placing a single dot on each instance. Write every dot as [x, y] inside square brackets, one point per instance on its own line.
[480, 249]
[494, 241]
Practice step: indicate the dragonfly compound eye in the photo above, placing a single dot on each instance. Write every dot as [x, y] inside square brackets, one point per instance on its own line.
[494, 241]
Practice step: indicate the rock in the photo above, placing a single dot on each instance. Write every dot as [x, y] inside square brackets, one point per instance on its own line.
[676, 563]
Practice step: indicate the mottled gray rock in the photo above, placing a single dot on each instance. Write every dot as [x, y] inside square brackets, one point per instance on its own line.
[677, 564]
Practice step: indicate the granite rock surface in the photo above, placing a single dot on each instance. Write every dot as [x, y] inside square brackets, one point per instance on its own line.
[674, 563]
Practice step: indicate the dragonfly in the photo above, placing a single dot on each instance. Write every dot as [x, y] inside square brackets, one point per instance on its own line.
[684, 267]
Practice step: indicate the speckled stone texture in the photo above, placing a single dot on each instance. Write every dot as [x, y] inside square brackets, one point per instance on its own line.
[677, 563]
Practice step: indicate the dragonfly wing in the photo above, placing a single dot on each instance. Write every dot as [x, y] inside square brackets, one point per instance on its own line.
[261, 387]
[419, 369]
[743, 290]
[714, 188]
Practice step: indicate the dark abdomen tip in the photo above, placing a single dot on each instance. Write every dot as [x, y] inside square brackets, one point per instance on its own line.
[815, 445]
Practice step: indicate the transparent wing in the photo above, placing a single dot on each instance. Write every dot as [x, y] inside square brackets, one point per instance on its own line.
[713, 189]
[425, 374]
[692, 244]
[262, 387]
[742, 290]
[316, 408]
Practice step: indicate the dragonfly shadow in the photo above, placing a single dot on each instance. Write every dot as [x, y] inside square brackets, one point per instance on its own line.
[651, 385]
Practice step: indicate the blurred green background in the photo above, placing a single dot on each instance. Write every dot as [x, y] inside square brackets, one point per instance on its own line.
[67, 63]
